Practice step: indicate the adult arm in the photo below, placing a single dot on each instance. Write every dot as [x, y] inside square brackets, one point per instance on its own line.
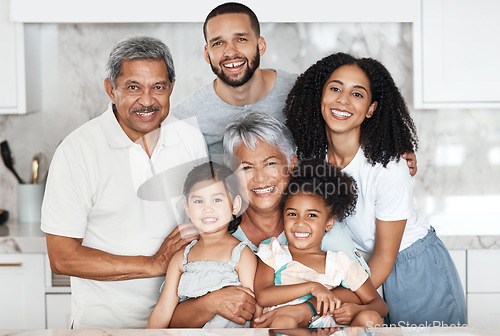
[162, 312]
[411, 161]
[388, 235]
[236, 304]
[370, 299]
[301, 312]
[268, 294]
[68, 256]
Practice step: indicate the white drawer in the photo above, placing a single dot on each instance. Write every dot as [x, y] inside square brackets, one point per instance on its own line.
[483, 271]
[483, 310]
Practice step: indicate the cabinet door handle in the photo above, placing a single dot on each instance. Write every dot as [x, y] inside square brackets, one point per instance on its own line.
[11, 265]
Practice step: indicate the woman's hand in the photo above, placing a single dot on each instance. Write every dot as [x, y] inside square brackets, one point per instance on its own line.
[326, 301]
[346, 313]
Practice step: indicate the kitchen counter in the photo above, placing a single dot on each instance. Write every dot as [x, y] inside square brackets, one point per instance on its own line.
[396, 331]
[18, 237]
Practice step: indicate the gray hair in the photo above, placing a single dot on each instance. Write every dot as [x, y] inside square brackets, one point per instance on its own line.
[255, 127]
[138, 48]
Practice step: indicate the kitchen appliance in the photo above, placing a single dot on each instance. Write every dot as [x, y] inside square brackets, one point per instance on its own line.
[7, 159]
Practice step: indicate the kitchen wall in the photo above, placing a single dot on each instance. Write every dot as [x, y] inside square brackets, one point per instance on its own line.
[458, 178]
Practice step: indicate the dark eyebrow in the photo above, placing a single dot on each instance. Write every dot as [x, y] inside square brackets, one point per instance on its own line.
[130, 81]
[312, 210]
[216, 38]
[356, 86]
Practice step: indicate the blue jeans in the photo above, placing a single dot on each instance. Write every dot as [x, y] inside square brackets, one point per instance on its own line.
[424, 287]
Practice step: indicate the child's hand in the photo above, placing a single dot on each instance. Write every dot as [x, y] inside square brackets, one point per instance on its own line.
[326, 301]
[346, 313]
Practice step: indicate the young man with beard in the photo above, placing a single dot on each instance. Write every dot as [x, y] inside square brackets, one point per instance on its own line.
[233, 50]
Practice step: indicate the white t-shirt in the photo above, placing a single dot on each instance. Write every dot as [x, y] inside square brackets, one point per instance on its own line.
[103, 188]
[385, 194]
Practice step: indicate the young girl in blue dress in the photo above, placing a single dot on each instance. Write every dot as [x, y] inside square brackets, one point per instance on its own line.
[349, 112]
[217, 259]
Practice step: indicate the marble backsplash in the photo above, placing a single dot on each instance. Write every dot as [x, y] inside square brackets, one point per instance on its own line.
[458, 176]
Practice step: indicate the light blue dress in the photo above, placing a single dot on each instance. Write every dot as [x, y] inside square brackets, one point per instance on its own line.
[201, 277]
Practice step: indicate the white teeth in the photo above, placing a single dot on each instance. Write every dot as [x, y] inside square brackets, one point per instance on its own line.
[341, 114]
[145, 114]
[209, 220]
[263, 191]
[301, 234]
[233, 65]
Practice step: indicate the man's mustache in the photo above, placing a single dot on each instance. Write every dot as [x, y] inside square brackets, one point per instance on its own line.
[145, 109]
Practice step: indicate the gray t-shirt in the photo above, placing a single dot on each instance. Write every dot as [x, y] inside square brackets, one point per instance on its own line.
[213, 114]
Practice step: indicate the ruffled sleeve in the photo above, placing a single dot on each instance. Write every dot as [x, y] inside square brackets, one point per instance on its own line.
[273, 254]
[351, 273]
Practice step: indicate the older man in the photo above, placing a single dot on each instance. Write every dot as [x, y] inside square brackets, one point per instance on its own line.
[101, 227]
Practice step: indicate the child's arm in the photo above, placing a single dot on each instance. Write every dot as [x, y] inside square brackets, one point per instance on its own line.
[162, 313]
[246, 269]
[371, 301]
[268, 294]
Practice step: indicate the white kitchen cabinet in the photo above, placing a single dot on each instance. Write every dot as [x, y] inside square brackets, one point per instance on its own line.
[58, 311]
[483, 291]
[197, 10]
[22, 291]
[483, 309]
[456, 53]
[19, 65]
[483, 274]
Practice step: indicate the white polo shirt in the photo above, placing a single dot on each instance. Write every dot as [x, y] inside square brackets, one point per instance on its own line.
[104, 188]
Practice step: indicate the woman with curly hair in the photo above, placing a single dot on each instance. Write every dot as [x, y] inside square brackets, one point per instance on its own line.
[349, 112]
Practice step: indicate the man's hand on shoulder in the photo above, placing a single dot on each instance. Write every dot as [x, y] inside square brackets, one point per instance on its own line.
[177, 239]
[411, 161]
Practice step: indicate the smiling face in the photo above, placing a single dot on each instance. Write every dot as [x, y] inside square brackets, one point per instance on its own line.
[346, 100]
[233, 49]
[209, 206]
[306, 218]
[141, 96]
[264, 173]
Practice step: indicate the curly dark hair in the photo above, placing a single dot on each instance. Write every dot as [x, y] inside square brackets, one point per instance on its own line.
[316, 177]
[217, 173]
[385, 136]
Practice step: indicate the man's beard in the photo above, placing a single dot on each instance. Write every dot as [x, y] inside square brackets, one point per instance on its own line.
[251, 67]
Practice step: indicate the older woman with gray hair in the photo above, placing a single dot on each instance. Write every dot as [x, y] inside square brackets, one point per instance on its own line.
[261, 150]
